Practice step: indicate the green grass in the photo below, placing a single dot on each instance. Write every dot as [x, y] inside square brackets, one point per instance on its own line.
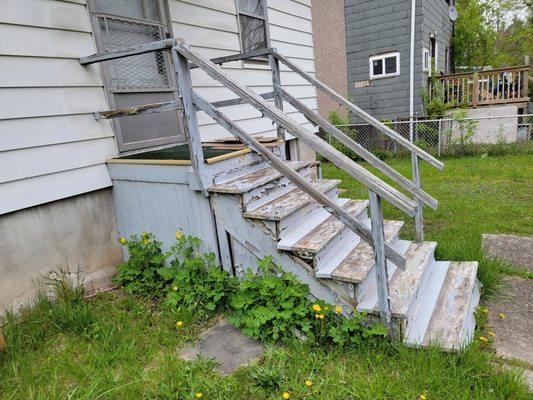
[476, 195]
[117, 346]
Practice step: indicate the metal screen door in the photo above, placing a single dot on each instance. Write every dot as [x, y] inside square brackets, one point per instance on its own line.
[143, 79]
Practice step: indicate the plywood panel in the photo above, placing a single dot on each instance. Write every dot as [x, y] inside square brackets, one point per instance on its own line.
[21, 194]
[37, 161]
[190, 14]
[29, 41]
[47, 14]
[35, 132]
[33, 102]
[35, 72]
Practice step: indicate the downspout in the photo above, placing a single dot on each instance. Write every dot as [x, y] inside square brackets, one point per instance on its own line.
[412, 71]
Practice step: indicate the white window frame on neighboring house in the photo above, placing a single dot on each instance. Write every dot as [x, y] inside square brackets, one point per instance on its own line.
[425, 59]
[382, 58]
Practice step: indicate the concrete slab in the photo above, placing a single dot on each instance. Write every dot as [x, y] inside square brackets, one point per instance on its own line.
[227, 345]
[517, 250]
[514, 337]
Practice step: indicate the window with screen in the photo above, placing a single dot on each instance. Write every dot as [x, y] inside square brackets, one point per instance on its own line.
[252, 16]
[384, 65]
[142, 79]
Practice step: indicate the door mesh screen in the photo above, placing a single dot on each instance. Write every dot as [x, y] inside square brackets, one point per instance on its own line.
[145, 71]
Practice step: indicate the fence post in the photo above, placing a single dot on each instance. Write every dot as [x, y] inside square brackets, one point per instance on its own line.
[419, 219]
[190, 119]
[475, 89]
[382, 278]
[526, 78]
[439, 150]
[276, 80]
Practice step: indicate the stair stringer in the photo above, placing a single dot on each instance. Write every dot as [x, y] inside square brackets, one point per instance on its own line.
[261, 242]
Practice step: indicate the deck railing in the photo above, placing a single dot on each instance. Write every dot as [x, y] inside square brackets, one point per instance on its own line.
[480, 88]
[186, 58]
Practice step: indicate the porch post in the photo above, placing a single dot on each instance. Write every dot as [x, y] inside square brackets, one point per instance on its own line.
[276, 81]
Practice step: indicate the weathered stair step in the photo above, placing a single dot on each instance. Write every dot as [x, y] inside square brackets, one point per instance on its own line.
[357, 264]
[252, 180]
[317, 241]
[404, 286]
[452, 322]
[293, 206]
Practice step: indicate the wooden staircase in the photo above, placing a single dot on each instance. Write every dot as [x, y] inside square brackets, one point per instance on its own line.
[432, 302]
[268, 206]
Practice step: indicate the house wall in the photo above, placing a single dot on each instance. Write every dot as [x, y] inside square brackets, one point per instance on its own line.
[377, 27]
[211, 28]
[330, 49]
[78, 232]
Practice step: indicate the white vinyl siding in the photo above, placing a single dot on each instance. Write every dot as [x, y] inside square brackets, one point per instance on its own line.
[211, 28]
[51, 147]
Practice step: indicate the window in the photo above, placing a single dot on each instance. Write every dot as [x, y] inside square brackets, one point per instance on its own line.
[384, 65]
[425, 59]
[252, 15]
[142, 79]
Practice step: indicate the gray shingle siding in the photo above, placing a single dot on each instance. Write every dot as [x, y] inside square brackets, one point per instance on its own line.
[382, 26]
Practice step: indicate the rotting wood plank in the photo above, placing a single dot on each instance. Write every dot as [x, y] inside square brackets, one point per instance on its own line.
[447, 323]
[360, 150]
[285, 205]
[316, 239]
[329, 205]
[254, 179]
[358, 264]
[153, 108]
[392, 195]
[240, 56]
[361, 113]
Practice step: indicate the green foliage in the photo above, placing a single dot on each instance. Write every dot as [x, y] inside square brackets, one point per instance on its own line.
[193, 280]
[269, 306]
[493, 33]
[139, 274]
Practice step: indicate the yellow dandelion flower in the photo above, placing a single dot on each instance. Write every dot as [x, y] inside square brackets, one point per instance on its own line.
[338, 309]
[422, 397]
[179, 235]
[146, 241]
[317, 316]
[175, 288]
[502, 315]
[122, 240]
[199, 395]
[179, 324]
[321, 316]
[286, 395]
[491, 334]
[308, 383]
[317, 308]
[483, 339]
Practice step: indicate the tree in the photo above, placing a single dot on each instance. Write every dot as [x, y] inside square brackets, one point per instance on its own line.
[493, 33]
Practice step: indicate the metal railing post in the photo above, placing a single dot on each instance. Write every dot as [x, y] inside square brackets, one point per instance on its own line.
[382, 278]
[276, 81]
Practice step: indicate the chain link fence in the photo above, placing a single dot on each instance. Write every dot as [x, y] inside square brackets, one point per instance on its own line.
[446, 137]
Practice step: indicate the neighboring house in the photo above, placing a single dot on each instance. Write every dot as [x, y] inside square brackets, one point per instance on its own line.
[55, 189]
[378, 37]
[330, 52]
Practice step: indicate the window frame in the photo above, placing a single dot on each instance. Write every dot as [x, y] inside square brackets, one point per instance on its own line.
[426, 60]
[383, 57]
[265, 20]
[111, 92]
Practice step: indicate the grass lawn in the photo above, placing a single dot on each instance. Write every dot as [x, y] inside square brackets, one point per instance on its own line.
[118, 346]
[476, 195]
